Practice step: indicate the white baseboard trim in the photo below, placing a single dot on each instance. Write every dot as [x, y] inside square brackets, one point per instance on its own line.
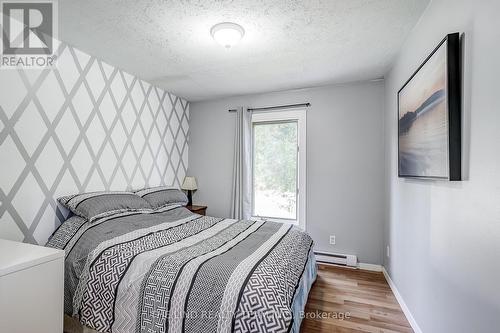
[370, 267]
[401, 302]
[363, 266]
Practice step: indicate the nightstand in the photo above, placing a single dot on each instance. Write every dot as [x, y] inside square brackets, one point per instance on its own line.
[202, 210]
[31, 288]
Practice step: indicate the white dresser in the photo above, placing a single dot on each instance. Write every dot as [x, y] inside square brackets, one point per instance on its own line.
[31, 288]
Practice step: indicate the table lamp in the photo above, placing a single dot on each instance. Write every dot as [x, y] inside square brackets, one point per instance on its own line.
[189, 185]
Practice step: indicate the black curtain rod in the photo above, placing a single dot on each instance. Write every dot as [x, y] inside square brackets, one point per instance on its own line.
[267, 108]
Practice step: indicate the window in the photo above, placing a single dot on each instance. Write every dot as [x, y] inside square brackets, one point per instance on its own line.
[279, 173]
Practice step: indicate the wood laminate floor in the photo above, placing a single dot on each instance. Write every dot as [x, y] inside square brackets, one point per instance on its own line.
[344, 300]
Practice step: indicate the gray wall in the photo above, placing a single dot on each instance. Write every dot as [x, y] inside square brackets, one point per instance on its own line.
[445, 237]
[344, 161]
[79, 127]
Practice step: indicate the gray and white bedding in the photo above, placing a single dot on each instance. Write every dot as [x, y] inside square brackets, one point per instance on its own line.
[174, 271]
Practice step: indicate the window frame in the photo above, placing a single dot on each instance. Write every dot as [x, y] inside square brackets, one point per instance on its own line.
[298, 115]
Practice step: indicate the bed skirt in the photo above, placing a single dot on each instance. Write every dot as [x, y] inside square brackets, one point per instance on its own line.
[300, 299]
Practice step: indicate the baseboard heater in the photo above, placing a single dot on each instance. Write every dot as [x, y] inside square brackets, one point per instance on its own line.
[348, 260]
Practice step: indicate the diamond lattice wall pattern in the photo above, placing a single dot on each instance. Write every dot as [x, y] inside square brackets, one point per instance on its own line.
[81, 126]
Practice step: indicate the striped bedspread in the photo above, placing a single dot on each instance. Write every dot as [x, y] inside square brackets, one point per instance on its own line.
[180, 272]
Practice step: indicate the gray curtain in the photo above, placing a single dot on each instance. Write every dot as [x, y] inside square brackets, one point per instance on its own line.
[241, 195]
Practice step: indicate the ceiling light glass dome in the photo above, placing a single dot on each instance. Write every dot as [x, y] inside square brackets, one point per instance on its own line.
[227, 34]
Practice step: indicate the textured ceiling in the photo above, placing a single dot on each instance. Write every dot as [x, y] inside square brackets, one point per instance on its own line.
[288, 43]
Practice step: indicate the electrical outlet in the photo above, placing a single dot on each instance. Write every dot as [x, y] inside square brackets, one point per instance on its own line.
[388, 251]
[332, 239]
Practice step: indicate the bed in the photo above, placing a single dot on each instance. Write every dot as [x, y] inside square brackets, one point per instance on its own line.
[165, 269]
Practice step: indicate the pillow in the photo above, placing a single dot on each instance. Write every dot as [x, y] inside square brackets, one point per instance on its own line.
[65, 232]
[163, 197]
[95, 205]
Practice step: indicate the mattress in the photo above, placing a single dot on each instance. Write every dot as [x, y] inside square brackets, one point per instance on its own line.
[176, 271]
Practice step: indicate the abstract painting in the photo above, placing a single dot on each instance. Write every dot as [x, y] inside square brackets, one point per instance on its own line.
[429, 128]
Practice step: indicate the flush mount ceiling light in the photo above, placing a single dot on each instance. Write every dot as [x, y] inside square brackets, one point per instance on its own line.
[227, 34]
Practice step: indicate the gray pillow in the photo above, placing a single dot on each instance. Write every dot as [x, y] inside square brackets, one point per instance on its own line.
[65, 232]
[163, 197]
[96, 205]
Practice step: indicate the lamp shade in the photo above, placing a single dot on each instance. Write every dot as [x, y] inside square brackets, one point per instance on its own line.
[189, 184]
